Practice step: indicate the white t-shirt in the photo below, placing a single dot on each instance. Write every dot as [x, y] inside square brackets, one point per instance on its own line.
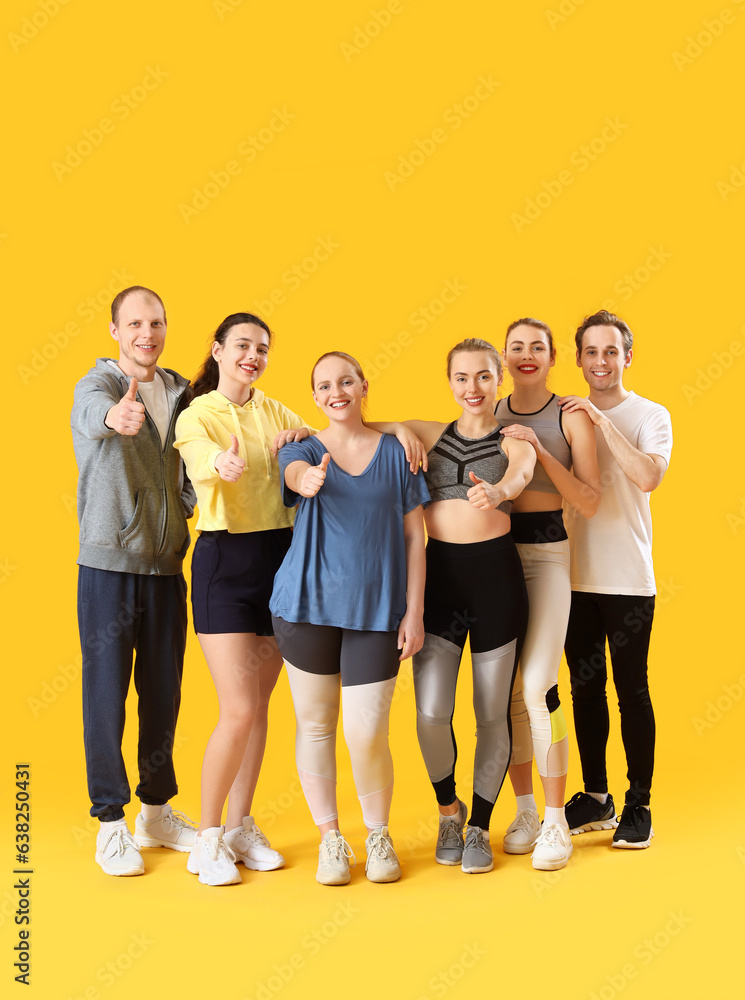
[611, 553]
[155, 397]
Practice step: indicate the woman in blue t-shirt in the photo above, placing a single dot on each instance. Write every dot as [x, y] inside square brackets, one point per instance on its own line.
[347, 607]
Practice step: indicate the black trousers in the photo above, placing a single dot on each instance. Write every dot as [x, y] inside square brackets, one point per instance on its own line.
[626, 623]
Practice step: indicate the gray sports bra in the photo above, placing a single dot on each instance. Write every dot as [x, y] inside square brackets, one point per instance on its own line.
[454, 456]
[546, 423]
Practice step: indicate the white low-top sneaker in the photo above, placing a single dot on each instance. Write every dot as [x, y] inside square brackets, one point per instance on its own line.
[382, 861]
[334, 857]
[116, 851]
[522, 833]
[170, 829]
[251, 847]
[553, 848]
[212, 860]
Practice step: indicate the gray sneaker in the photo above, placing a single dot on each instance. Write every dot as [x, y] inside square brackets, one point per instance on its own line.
[477, 853]
[382, 863]
[334, 856]
[449, 849]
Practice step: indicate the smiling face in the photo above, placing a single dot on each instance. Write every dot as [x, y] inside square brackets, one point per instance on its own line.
[528, 355]
[337, 389]
[474, 380]
[140, 331]
[602, 358]
[242, 359]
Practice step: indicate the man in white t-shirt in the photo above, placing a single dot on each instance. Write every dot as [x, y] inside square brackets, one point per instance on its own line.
[613, 585]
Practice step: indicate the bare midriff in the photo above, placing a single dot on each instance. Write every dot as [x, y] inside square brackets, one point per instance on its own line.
[530, 501]
[458, 522]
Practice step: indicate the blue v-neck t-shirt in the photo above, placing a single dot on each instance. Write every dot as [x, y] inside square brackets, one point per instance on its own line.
[347, 562]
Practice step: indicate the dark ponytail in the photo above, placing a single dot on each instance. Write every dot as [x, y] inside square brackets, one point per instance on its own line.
[209, 374]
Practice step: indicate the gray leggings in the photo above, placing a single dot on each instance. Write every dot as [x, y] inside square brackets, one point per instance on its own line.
[478, 590]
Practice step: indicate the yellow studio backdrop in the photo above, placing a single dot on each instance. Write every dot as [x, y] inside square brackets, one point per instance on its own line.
[386, 179]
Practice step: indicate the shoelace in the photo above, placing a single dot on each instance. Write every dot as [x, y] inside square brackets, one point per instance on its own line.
[255, 836]
[180, 820]
[216, 848]
[633, 817]
[550, 835]
[121, 840]
[339, 849]
[474, 838]
[380, 846]
[450, 832]
[523, 821]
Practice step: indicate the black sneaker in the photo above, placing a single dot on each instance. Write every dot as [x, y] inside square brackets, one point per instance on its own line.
[634, 828]
[584, 813]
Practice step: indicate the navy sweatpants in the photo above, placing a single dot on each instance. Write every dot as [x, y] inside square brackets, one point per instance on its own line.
[126, 616]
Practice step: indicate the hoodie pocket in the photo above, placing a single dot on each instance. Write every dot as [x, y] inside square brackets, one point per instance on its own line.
[142, 532]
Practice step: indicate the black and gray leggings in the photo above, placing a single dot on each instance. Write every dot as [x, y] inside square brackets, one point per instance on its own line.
[475, 589]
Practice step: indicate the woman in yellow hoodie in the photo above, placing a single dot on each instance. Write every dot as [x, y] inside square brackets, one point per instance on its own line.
[228, 438]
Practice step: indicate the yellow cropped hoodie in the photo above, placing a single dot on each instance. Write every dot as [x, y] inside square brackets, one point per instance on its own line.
[203, 431]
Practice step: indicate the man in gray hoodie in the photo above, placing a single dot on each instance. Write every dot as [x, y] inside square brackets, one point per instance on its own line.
[133, 503]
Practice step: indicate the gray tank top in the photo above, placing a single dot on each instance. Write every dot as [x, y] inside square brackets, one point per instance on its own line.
[454, 456]
[546, 423]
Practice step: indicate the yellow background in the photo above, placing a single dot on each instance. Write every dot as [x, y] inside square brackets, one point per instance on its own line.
[183, 89]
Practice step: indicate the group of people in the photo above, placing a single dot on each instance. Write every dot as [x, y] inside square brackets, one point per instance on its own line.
[311, 551]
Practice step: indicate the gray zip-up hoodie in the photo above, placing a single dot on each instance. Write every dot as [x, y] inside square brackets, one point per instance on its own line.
[133, 495]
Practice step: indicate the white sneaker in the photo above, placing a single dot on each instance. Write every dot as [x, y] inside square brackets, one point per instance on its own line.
[116, 851]
[522, 833]
[170, 829]
[251, 847]
[382, 862]
[334, 855]
[212, 860]
[553, 848]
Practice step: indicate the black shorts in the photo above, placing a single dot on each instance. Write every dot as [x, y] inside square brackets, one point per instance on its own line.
[360, 657]
[232, 576]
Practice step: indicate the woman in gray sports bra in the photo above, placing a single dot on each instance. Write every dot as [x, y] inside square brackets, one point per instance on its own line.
[474, 587]
[566, 471]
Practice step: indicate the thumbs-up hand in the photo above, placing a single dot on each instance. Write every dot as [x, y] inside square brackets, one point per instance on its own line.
[229, 464]
[483, 495]
[128, 415]
[313, 477]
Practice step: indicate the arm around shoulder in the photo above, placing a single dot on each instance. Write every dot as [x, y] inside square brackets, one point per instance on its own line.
[580, 486]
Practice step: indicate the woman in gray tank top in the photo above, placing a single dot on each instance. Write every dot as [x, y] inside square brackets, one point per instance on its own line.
[566, 471]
